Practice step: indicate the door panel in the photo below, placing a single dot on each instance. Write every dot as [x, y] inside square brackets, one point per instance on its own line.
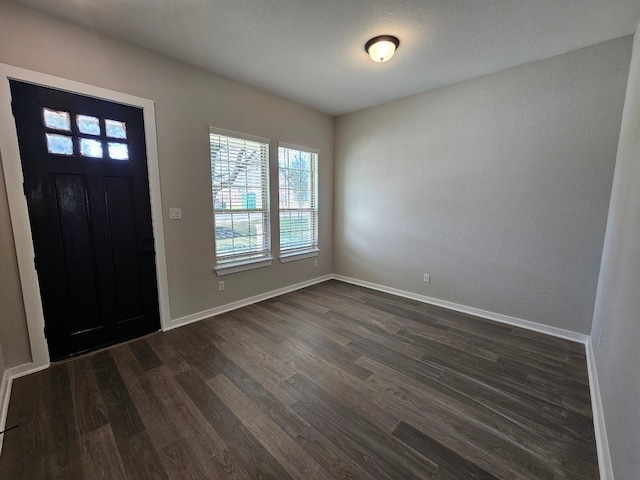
[120, 203]
[77, 248]
[85, 173]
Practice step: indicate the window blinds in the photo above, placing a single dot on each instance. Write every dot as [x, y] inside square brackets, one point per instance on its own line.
[298, 198]
[240, 191]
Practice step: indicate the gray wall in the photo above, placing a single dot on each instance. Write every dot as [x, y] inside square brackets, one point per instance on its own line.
[498, 187]
[617, 309]
[188, 101]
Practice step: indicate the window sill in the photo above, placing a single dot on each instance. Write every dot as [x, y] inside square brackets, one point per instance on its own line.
[242, 266]
[299, 255]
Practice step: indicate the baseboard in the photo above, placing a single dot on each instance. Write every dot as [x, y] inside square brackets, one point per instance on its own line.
[602, 444]
[497, 317]
[22, 370]
[604, 456]
[196, 317]
[5, 393]
[5, 389]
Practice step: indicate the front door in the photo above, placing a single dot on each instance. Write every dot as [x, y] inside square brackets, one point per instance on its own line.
[85, 179]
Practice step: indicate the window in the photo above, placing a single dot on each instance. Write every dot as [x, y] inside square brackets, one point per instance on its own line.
[240, 191]
[298, 200]
[93, 147]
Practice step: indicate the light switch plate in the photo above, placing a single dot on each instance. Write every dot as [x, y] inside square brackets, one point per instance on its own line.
[175, 213]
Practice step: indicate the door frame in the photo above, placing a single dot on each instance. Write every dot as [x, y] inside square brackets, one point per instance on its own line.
[12, 166]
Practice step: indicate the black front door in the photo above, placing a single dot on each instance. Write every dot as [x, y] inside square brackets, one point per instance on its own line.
[85, 179]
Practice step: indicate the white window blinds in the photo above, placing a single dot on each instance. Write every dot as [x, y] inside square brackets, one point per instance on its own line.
[240, 191]
[298, 198]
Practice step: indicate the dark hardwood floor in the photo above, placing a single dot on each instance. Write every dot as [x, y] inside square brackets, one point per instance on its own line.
[330, 382]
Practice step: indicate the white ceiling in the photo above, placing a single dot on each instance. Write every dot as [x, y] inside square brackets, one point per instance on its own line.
[312, 51]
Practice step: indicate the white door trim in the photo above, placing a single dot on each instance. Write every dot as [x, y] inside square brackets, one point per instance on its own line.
[10, 153]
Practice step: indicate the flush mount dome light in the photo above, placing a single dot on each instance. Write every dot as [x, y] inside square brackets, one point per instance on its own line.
[382, 48]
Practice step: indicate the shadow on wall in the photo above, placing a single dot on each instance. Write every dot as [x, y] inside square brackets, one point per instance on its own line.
[14, 336]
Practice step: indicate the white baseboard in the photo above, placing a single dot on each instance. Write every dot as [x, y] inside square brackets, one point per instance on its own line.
[5, 389]
[602, 444]
[497, 317]
[604, 456]
[5, 393]
[22, 370]
[196, 317]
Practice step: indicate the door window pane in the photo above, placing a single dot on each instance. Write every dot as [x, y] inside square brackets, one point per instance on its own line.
[56, 120]
[88, 125]
[116, 129]
[118, 151]
[91, 148]
[59, 144]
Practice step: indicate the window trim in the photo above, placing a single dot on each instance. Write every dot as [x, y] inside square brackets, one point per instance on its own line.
[228, 268]
[308, 251]
[255, 259]
[294, 255]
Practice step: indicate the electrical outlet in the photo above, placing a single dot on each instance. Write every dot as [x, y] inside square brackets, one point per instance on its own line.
[175, 213]
[220, 286]
[426, 278]
[315, 264]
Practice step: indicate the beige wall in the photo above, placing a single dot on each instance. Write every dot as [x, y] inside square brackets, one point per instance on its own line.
[14, 338]
[3, 368]
[187, 102]
[617, 310]
[498, 187]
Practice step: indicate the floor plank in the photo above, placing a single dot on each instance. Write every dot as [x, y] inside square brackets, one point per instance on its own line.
[100, 457]
[247, 451]
[61, 440]
[23, 451]
[448, 462]
[355, 435]
[279, 444]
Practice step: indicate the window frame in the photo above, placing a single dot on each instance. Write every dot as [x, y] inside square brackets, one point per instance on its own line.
[232, 263]
[310, 250]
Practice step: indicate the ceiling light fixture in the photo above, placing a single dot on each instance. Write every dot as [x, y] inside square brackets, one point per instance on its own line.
[382, 48]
